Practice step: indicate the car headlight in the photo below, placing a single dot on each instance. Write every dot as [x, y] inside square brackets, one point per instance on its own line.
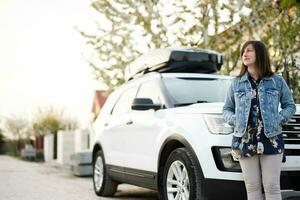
[217, 125]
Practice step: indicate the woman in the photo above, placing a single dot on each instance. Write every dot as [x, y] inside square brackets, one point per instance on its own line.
[251, 107]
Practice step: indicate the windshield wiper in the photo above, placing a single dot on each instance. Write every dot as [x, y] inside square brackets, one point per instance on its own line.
[186, 104]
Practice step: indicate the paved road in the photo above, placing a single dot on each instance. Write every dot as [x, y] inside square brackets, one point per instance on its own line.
[22, 180]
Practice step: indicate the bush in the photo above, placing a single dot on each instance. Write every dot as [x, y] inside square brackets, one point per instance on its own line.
[12, 148]
[2, 144]
[39, 155]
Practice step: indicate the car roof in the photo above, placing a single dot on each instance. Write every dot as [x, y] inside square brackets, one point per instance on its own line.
[184, 59]
[194, 75]
[153, 75]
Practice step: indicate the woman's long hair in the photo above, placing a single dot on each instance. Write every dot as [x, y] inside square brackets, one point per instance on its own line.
[262, 59]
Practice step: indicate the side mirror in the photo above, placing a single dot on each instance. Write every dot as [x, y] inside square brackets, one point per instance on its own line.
[144, 104]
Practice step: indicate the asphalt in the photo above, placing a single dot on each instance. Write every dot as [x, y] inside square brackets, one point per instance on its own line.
[25, 180]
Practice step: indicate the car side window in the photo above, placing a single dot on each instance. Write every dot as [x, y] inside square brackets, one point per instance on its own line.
[124, 102]
[150, 89]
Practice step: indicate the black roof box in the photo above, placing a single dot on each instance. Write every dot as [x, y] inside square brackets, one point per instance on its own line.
[175, 60]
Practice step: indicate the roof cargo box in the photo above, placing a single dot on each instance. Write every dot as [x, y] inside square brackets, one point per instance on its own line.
[175, 60]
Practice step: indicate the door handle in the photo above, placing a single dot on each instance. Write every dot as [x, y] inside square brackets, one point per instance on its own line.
[129, 122]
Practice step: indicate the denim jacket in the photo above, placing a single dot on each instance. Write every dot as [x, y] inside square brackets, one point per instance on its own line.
[272, 92]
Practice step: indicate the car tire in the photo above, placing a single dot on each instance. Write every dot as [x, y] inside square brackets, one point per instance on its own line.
[182, 176]
[103, 184]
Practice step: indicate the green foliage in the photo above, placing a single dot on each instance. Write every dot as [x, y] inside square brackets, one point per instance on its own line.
[18, 127]
[286, 4]
[47, 124]
[39, 155]
[51, 121]
[2, 143]
[135, 27]
[12, 147]
[279, 28]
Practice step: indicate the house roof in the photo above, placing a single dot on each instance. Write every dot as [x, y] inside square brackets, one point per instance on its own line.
[99, 100]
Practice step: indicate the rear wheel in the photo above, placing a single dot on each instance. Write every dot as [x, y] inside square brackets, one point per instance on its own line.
[182, 177]
[103, 184]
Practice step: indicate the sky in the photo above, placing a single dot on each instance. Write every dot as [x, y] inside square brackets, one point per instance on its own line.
[41, 58]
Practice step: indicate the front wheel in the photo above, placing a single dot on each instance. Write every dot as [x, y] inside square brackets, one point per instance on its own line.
[103, 184]
[182, 177]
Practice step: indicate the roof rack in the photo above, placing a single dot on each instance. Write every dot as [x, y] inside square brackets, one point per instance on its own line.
[187, 60]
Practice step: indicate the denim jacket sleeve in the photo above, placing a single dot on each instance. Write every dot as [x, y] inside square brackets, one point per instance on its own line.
[229, 107]
[287, 103]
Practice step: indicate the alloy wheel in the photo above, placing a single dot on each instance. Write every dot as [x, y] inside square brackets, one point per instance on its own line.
[98, 173]
[178, 183]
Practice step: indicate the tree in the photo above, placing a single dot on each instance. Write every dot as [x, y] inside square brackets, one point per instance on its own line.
[284, 35]
[277, 24]
[135, 27]
[17, 126]
[51, 121]
[268, 21]
[281, 32]
[47, 124]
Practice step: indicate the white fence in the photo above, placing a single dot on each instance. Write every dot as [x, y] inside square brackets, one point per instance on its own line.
[48, 147]
[81, 140]
[65, 146]
[68, 142]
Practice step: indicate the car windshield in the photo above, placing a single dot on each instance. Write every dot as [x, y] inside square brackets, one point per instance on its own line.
[190, 90]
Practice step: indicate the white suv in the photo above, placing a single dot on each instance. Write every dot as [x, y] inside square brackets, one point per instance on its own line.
[164, 131]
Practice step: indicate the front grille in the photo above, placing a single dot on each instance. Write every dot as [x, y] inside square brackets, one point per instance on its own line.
[290, 180]
[291, 130]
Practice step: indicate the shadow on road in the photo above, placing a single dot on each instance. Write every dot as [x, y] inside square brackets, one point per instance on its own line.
[129, 192]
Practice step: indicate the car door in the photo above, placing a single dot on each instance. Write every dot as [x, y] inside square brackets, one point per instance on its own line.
[114, 136]
[143, 128]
